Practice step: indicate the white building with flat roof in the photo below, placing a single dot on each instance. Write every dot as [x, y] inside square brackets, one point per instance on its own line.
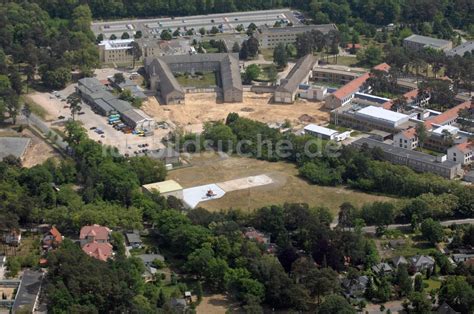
[323, 132]
[389, 117]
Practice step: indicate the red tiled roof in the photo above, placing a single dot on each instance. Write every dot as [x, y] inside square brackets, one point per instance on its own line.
[100, 251]
[351, 87]
[56, 234]
[447, 115]
[409, 133]
[356, 46]
[466, 147]
[99, 232]
[409, 96]
[382, 67]
[354, 85]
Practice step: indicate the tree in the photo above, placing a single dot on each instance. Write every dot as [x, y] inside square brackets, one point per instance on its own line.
[74, 101]
[432, 230]
[138, 34]
[252, 72]
[418, 285]
[252, 45]
[57, 78]
[12, 105]
[148, 170]
[113, 37]
[421, 133]
[135, 51]
[280, 56]
[176, 33]
[420, 303]
[165, 35]
[236, 47]
[202, 31]
[214, 30]
[347, 215]
[119, 78]
[370, 56]
[272, 73]
[125, 35]
[403, 280]
[335, 304]
[399, 104]
[244, 51]
[458, 293]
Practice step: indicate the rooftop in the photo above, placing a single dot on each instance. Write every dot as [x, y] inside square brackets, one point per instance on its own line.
[448, 115]
[29, 290]
[382, 114]
[164, 186]
[460, 50]
[297, 74]
[320, 129]
[405, 153]
[99, 232]
[427, 41]
[100, 251]
[15, 146]
[116, 44]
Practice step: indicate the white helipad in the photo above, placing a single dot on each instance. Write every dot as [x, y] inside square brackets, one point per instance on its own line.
[193, 196]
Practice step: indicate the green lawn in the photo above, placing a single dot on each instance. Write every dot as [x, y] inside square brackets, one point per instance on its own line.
[433, 284]
[263, 77]
[267, 54]
[198, 81]
[412, 248]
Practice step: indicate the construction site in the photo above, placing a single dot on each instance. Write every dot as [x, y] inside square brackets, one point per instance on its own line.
[202, 107]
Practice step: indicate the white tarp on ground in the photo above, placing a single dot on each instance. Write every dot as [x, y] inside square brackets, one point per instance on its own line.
[245, 183]
[193, 196]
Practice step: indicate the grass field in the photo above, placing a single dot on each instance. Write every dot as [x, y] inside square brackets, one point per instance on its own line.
[198, 81]
[36, 109]
[287, 186]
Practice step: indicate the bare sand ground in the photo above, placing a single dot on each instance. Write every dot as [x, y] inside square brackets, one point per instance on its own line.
[217, 304]
[202, 107]
[38, 152]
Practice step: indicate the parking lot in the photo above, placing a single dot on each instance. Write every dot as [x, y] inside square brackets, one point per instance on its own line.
[227, 22]
[58, 112]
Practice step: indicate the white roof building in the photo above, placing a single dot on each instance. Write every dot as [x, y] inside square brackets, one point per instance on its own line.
[316, 130]
[116, 44]
[392, 118]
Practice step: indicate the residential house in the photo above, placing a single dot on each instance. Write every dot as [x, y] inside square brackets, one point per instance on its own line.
[179, 304]
[398, 260]
[133, 240]
[382, 268]
[445, 309]
[52, 239]
[355, 288]
[462, 257]
[396, 243]
[13, 237]
[406, 139]
[150, 267]
[253, 234]
[462, 153]
[95, 242]
[421, 263]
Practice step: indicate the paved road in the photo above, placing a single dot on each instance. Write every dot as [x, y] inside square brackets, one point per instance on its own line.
[371, 229]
